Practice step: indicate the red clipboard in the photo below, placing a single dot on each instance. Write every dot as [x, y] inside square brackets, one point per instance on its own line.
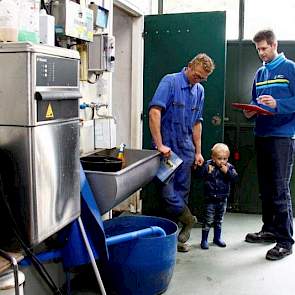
[251, 107]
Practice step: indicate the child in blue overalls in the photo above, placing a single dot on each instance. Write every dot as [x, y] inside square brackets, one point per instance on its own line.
[218, 174]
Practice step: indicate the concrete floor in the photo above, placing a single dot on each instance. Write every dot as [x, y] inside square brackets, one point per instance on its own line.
[238, 269]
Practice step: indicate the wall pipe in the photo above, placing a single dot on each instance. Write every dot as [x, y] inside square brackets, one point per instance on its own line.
[160, 6]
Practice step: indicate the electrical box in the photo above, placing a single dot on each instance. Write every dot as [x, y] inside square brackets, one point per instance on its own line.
[73, 20]
[101, 55]
[100, 15]
[104, 133]
[110, 56]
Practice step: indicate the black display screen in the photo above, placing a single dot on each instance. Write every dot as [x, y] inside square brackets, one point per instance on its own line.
[56, 71]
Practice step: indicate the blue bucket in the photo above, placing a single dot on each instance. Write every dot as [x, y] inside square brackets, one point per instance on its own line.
[144, 265]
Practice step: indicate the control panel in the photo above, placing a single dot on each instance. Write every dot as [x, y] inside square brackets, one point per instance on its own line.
[56, 71]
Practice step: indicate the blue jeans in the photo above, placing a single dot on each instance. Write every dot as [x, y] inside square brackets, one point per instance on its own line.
[176, 192]
[275, 157]
[214, 213]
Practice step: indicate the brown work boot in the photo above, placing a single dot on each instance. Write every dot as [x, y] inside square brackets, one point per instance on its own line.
[188, 220]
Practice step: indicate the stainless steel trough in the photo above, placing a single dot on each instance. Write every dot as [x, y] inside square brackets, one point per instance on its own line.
[111, 188]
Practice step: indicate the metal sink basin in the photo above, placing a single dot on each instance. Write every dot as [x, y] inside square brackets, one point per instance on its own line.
[111, 188]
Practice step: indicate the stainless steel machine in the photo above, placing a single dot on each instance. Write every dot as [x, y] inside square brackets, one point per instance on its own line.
[39, 136]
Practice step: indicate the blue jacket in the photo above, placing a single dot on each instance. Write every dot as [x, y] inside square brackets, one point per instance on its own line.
[276, 78]
[217, 184]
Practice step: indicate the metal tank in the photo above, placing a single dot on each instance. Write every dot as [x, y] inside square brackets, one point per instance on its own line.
[39, 137]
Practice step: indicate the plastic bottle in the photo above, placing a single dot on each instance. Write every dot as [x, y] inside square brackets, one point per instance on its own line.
[29, 21]
[9, 15]
[121, 154]
[46, 28]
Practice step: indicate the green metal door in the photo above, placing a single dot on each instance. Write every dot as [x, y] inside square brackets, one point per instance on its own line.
[170, 41]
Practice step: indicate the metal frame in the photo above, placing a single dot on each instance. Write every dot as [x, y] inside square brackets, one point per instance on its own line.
[14, 264]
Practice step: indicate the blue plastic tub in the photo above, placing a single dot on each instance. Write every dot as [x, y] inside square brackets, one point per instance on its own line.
[141, 266]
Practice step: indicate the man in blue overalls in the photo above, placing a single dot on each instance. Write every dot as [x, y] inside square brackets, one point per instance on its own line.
[175, 119]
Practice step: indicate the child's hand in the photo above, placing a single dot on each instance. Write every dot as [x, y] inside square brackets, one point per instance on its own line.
[210, 169]
[224, 168]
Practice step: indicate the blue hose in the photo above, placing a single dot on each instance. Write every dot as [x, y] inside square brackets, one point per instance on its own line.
[48, 256]
[152, 230]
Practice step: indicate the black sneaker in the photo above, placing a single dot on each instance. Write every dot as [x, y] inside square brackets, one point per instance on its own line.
[277, 253]
[260, 237]
[183, 247]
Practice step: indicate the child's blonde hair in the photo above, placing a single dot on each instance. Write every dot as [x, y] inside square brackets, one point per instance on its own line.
[218, 147]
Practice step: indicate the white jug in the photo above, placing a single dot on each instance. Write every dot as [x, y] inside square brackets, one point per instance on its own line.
[7, 286]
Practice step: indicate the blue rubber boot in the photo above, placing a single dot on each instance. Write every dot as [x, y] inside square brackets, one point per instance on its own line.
[204, 242]
[217, 237]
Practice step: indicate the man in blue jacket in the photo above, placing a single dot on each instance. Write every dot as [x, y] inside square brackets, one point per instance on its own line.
[175, 119]
[274, 90]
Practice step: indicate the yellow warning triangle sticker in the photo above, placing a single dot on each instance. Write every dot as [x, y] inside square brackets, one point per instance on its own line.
[49, 113]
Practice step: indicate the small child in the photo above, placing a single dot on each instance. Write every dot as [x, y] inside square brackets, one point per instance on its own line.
[218, 175]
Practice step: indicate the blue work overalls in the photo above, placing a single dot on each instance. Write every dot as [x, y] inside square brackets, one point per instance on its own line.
[182, 107]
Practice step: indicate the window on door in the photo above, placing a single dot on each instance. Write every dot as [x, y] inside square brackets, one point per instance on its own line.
[257, 14]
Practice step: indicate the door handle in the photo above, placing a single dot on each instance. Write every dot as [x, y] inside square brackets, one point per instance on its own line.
[216, 120]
